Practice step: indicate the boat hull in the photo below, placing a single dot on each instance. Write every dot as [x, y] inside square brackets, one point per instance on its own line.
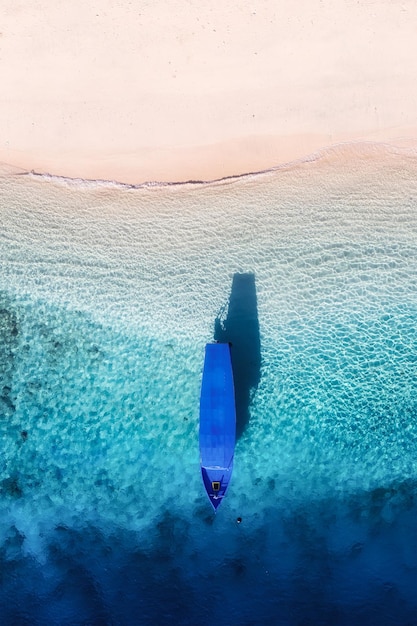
[217, 422]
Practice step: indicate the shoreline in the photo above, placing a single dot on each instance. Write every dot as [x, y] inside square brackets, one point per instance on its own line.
[346, 150]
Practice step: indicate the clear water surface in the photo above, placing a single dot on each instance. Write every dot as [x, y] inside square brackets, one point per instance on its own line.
[107, 298]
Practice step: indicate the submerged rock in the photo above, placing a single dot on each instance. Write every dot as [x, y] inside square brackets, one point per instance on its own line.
[8, 345]
[10, 486]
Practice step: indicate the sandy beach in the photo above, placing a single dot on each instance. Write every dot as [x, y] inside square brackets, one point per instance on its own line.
[198, 90]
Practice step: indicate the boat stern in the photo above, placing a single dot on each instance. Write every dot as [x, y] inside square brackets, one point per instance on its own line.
[216, 482]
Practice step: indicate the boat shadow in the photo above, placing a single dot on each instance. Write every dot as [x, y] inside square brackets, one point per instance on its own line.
[237, 323]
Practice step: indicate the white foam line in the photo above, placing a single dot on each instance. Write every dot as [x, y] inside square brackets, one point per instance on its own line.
[310, 158]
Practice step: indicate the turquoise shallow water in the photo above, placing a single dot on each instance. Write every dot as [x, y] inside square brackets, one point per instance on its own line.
[107, 297]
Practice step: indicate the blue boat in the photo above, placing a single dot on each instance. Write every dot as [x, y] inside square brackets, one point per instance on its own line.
[217, 421]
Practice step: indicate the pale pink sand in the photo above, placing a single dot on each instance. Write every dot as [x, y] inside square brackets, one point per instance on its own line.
[199, 89]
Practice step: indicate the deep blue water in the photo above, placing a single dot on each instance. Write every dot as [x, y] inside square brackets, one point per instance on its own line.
[107, 298]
